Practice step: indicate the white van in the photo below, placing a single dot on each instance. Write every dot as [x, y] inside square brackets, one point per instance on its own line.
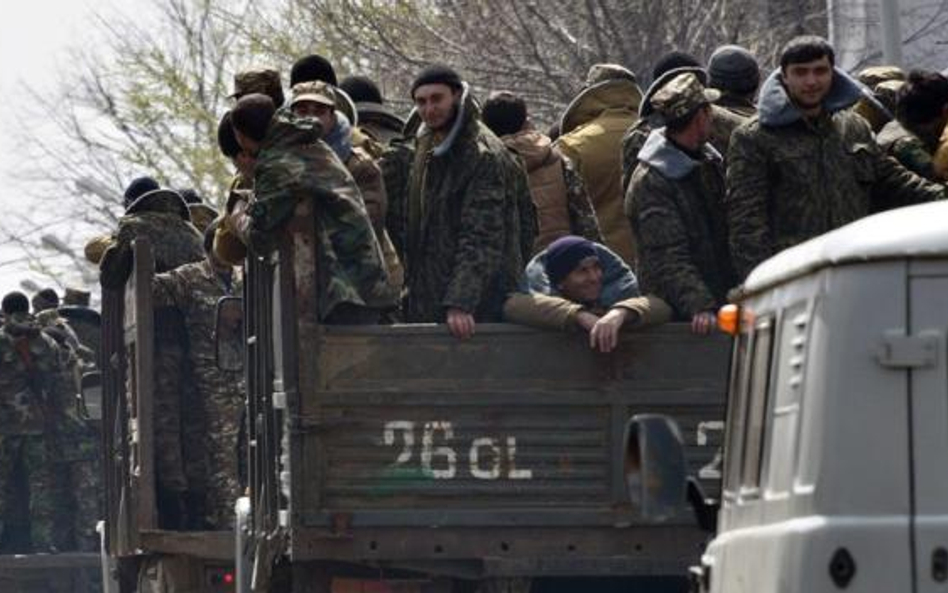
[836, 447]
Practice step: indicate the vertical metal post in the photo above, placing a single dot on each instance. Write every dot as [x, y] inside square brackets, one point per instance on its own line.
[891, 32]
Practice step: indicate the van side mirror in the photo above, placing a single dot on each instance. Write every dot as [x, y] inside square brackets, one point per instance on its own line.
[655, 466]
[229, 333]
[90, 386]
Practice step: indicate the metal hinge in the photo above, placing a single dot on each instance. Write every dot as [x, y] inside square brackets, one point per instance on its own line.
[898, 351]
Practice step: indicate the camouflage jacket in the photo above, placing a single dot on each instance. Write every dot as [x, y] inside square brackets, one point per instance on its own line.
[456, 215]
[295, 165]
[739, 106]
[790, 179]
[164, 219]
[29, 361]
[907, 148]
[557, 188]
[723, 123]
[194, 290]
[675, 204]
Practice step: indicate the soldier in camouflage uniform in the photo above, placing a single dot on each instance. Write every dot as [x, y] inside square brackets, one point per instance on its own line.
[734, 72]
[558, 192]
[723, 123]
[194, 289]
[460, 214]
[293, 164]
[28, 359]
[675, 204]
[921, 113]
[163, 217]
[807, 164]
[319, 100]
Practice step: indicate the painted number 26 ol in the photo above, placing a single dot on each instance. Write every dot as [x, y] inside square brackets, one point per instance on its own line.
[485, 455]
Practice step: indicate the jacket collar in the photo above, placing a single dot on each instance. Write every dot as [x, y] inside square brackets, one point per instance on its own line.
[777, 110]
[592, 101]
[662, 155]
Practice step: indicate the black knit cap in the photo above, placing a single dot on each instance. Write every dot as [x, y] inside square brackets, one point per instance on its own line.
[15, 302]
[226, 139]
[672, 60]
[564, 254]
[139, 187]
[437, 74]
[361, 89]
[310, 68]
[733, 68]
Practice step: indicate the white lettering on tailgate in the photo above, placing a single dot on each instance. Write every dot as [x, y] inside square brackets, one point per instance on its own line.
[438, 458]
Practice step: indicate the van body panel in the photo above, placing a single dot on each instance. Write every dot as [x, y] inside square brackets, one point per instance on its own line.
[929, 396]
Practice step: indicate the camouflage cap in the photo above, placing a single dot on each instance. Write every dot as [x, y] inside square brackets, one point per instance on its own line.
[681, 96]
[202, 215]
[603, 72]
[874, 75]
[259, 80]
[316, 91]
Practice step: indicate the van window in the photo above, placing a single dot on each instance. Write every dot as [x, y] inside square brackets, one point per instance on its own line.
[757, 398]
[734, 427]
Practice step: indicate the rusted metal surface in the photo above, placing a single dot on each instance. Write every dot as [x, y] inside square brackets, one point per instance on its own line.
[213, 545]
[404, 445]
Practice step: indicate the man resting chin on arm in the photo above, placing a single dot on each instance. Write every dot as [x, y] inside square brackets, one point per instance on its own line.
[578, 284]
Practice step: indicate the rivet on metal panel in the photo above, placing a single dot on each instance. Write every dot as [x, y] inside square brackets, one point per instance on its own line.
[800, 320]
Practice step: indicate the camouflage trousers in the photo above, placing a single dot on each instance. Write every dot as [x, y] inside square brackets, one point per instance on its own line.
[34, 486]
[223, 397]
[81, 448]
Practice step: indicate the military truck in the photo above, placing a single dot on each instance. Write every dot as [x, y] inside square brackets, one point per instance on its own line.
[836, 445]
[397, 458]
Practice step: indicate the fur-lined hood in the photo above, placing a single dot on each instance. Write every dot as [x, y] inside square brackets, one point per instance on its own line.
[669, 160]
[775, 108]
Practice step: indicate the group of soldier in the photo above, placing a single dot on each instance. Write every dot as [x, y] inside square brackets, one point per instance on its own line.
[50, 499]
[636, 208]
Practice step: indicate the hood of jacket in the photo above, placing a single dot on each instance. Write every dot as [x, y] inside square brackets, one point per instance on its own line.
[381, 115]
[535, 148]
[463, 122]
[669, 160]
[339, 137]
[618, 281]
[160, 200]
[593, 101]
[776, 109]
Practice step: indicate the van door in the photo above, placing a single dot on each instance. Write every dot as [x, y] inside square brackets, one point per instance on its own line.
[925, 354]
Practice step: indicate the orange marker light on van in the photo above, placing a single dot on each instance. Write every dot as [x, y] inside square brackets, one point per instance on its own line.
[729, 319]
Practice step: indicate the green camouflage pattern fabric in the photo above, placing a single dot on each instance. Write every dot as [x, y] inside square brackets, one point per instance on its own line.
[28, 359]
[294, 165]
[582, 216]
[174, 240]
[737, 105]
[194, 289]
[907, 148]
[47, 520]
[682, 95]
[462, 219]
[681, 226]
[787, 184]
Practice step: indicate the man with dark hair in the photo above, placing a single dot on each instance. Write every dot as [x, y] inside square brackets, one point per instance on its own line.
[376, 119]
[291, 164]
[310, 68]
[265, 81]
[807, 164]
[592, 129]
[921, 114]
[194, 290]
[734, 71]
[674, 204]
[576, 284]
[558, 192]
[457, 218]
[28, 359]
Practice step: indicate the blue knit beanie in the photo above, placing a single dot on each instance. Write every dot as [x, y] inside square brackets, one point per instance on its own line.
[564, 254]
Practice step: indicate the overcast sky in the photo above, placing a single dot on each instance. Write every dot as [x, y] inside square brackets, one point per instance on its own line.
[35, 37]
